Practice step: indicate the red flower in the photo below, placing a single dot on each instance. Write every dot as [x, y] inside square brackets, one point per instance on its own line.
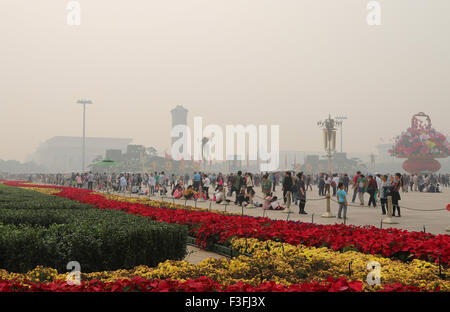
[209, 226]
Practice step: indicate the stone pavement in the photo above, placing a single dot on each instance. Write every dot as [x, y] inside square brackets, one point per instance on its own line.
[435, 222]
[196, 255]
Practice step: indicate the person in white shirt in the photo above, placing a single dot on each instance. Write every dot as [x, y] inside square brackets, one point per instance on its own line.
[327, 184]
[206, 184]
[162, 184]
[416, 183]
[379, 182]
[219, 194]
[151, 184]
[249, 184]
[123, 184]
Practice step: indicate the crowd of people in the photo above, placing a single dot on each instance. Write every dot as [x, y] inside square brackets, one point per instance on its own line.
[220, 187]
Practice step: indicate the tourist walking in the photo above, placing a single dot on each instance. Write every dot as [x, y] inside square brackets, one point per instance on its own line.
[308, 182]
[395, 191]
[90, 180]
[385, 191]
[123, 184]
[356, 180]
[238, 183]
[266, 185]
[321, 185]
[342, 200]
[327, 184]
[249, 185]
[79, 181]
[335, 183]
[206, 184]
[287, 190]
[362, 187]
[151, 184]
[301, 193]
[372, 188]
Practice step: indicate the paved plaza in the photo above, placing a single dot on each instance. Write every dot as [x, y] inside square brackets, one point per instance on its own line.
[429, 210]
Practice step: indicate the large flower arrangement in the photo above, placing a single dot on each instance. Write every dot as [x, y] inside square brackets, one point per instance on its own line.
[421, 139]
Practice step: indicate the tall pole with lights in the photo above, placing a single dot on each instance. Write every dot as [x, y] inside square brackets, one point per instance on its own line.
[340, 122]
[83, 150]
[329, 143]
[329, 138]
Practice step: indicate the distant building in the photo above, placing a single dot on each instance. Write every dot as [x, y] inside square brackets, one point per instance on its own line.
[114, 154]
[339, 163]
[134, 152]
[63, 153]
[179, 117]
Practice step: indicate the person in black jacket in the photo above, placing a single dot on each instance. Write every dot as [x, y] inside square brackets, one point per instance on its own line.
[395, 192]
[238, 183]
[287, 189]
[301, 193]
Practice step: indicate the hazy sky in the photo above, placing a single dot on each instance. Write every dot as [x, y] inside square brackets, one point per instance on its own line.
[286, 62]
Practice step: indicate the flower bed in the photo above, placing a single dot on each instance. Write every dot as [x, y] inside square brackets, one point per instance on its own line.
[270, 262]
[39, 229]
[212, 228]
[197, 285]
[158, 203]
[272, 266]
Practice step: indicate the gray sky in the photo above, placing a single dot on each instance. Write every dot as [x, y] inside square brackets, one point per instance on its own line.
[286, 62]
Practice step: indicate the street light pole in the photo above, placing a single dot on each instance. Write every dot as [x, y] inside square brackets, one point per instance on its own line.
[341, 119]
[83, 150]
[329, 138]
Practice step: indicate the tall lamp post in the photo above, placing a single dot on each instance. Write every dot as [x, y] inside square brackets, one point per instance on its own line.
[372, 161]
[83, 153]
[329, 138]
[339, 123]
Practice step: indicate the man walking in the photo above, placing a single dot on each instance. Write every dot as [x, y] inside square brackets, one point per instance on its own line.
[287, 188]
[356, 180]
[90, 180]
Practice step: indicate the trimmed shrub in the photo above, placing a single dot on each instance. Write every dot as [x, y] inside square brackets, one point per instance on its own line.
[98, 239]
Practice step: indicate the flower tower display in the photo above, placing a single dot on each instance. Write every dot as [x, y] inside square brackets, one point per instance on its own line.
[421, 144]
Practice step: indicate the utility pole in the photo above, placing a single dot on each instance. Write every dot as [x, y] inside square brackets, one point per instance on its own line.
[341, 120]
[83, 152]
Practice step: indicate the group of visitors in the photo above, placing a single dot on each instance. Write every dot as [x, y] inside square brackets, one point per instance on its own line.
[294, 186]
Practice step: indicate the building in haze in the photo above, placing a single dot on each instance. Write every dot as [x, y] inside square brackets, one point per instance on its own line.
[63, 153]
[179, 117]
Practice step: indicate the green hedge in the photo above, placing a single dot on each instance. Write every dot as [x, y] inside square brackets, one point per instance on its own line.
[17, 198]
[98, 239]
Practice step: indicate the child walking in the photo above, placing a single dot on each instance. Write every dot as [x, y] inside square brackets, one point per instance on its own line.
[342, 199]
